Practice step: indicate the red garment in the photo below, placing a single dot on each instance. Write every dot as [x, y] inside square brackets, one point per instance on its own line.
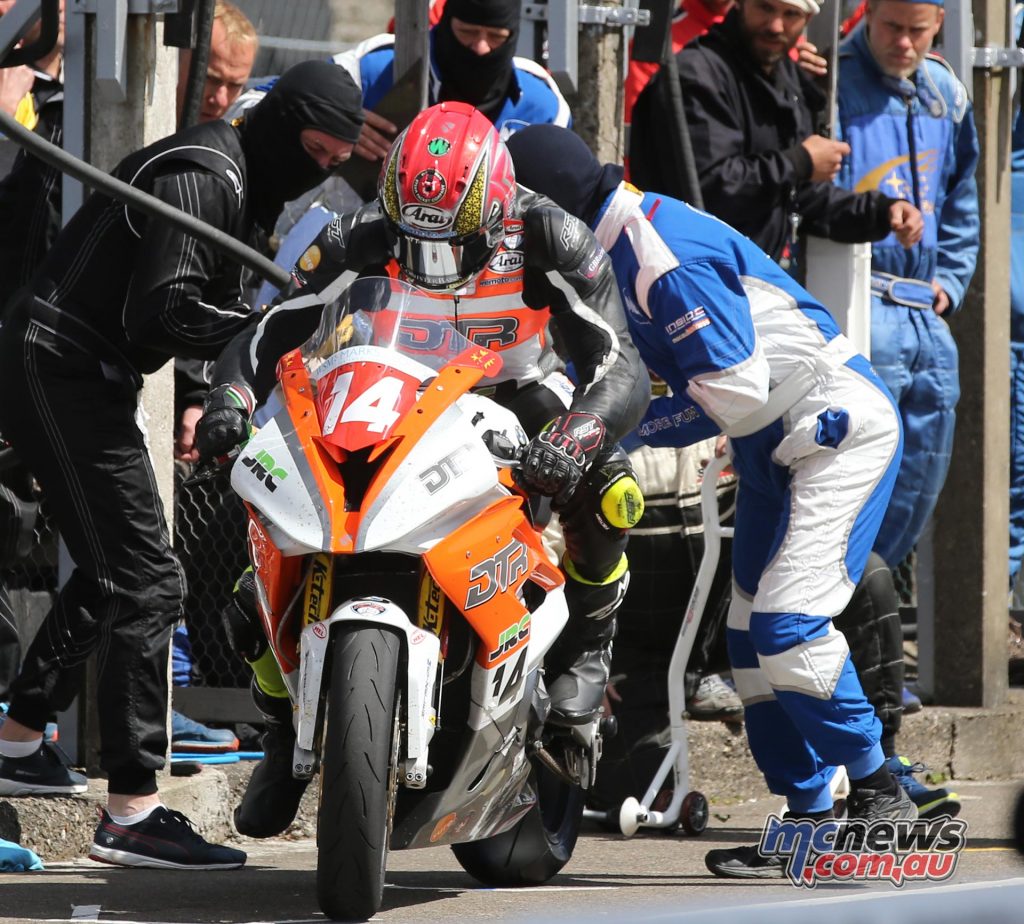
[433, 15]
[858, 14]
[691, 19]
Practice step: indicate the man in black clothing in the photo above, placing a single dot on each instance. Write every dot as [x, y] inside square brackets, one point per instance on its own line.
[117, 296]
[751, 115]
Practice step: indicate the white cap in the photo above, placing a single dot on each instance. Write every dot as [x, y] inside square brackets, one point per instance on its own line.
[805, 6]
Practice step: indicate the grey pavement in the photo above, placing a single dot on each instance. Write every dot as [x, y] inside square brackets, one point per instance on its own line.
[961, 744]
[653, 876]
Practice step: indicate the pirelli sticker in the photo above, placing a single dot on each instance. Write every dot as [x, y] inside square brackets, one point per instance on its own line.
[430, 615]
[316, 606]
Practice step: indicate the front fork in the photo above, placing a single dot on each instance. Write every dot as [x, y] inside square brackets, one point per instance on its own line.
[421, 652]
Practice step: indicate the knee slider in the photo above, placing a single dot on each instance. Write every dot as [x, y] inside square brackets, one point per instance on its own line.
[611, 483]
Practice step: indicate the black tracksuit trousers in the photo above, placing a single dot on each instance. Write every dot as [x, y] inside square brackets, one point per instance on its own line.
[72, 420]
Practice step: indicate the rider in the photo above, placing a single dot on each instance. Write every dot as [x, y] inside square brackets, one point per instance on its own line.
[450, 219]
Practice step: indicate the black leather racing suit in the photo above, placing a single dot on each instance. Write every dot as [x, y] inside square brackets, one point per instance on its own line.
[565, 271]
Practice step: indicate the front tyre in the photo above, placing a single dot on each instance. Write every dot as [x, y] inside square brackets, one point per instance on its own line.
[537, 846]
[358, 773]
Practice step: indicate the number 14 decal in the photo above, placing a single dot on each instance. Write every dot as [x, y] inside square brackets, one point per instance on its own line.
[377, 406]
[503, 688]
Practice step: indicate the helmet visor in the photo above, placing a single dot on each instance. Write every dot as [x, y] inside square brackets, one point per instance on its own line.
[443, 264]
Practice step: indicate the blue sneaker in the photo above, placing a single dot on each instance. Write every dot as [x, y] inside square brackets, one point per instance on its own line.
[911, 702]
[190, 737]
[931, 803]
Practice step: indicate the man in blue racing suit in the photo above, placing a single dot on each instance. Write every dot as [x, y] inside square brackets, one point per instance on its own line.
[911, 132]
[815, 441]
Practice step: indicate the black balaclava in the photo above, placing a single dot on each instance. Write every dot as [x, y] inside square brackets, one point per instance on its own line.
[481, 80]
[313, 94]
[557, 163]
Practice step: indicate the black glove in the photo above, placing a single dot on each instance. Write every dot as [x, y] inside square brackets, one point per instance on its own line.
[224, 425]
[558, 457]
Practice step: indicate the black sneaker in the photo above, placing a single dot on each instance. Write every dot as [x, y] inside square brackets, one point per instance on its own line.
[744, 863]
[40, 774]
[876, 805]
[164, 840]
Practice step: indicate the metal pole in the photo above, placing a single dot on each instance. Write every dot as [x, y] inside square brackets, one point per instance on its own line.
[970, 540]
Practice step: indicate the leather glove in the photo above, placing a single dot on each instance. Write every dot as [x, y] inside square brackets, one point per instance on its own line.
[224, 426]
[558, 457]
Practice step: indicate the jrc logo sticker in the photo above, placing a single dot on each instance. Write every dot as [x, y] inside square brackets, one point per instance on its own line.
[263, 466]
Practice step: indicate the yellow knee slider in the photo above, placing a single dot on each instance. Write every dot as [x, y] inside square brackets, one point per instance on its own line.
[622, 502]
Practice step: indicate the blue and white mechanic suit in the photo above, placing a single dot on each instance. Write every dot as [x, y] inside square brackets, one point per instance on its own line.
[816, 443]
[914, 139]
[1017, 331]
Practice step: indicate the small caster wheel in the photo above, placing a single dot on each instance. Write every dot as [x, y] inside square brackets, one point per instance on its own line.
[630, 816]
[609, 727]
[693, 813]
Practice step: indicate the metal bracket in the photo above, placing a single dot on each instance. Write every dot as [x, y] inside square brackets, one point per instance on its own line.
[989, 57]
[111, 27]
[135, 7]
[611, 17]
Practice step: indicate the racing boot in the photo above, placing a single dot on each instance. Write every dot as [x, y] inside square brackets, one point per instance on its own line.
[272, 797]
[579, 662]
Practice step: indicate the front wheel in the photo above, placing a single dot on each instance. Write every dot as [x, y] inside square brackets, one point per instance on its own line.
[358, 775]
[537, 846]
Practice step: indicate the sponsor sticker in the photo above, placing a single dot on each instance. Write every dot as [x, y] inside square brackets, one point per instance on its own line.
[317, 601]
[896, 852]
[266, 470]
[426, 217]
[367, 608]
[687, 324]
[429, 186]
[310, 260]
[506, 262]
[570, 232]
[497, 573]
[439, 146]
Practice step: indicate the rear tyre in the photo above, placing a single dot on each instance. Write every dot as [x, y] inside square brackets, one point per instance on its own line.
[358, 775]
[537, 846]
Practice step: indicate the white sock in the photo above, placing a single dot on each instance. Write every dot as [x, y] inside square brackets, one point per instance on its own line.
[128, 820]
[20, 748]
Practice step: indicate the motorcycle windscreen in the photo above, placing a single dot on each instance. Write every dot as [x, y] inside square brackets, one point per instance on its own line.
[374, 348]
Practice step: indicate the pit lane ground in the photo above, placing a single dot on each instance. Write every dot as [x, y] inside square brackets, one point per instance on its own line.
[652, 876]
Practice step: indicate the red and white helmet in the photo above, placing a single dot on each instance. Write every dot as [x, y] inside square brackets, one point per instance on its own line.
[447, 186]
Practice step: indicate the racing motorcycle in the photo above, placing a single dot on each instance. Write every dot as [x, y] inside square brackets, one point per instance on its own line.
[407, 597]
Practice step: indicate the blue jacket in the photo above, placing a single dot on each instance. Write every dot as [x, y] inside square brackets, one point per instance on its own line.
[710, 312]
[874, 112]
[535, 99]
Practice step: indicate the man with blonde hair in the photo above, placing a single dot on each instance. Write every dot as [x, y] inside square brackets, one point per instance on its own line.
[233, 46]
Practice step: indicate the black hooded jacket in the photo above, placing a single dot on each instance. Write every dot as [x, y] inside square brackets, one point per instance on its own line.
[152, 291]
[746, 130]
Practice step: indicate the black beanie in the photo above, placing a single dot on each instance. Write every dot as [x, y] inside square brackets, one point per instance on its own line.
[557, 163]
[314, 94]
